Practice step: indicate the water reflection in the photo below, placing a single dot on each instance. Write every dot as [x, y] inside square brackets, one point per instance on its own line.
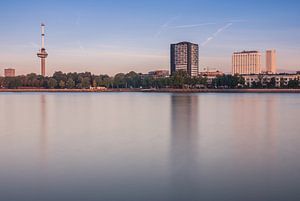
[272, 123]
[43, 132]
[149, 147]
[184, 146]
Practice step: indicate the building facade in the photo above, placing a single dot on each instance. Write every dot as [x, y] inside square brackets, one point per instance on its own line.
[271, 62]
[159, 73]
[281, 80]
[9, 72]
[246, 63]
[210, 75]
[185, 57]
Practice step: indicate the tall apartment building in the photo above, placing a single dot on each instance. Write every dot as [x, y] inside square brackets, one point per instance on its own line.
[246, 62]
[185, 56]
[9, 72]
[271, 61]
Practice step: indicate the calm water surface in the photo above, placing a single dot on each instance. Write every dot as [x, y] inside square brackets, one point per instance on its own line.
[134, 146]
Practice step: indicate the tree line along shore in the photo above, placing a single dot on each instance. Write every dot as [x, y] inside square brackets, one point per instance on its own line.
[132, 80]
[162, 90]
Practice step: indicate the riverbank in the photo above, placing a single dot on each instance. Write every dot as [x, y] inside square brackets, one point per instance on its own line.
[153, 90]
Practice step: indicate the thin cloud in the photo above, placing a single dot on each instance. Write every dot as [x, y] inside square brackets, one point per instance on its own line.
[237, 21]
[165, 26]
[214, 35]
[193, 25]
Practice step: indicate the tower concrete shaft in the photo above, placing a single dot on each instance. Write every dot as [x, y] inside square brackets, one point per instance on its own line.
[42, 54]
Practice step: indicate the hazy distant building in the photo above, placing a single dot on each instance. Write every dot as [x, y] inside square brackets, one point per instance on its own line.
[159, 73]
[211, 74]
[185, 56]
[246, 62]
[271, 61]
[9, 72]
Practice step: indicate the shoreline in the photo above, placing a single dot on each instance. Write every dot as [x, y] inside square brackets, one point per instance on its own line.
[151, 90]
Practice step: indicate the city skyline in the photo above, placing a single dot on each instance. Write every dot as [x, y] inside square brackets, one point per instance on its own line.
[106, 37]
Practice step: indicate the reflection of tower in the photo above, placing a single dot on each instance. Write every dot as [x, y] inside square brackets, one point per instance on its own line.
[43, 135]
[42, 53]
[184, 157]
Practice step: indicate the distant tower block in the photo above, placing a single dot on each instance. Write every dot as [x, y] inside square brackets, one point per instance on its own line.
[271, 61]
[42, 53]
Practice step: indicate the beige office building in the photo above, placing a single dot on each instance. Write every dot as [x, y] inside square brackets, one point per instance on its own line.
[246, 63]
[271, 67]
[9, 72]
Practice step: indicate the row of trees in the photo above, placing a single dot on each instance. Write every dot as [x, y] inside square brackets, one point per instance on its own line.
[181, 79]
[61, 80]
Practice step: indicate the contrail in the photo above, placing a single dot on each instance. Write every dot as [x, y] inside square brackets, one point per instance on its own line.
[214, 35]
[164, 27]
[192, 25]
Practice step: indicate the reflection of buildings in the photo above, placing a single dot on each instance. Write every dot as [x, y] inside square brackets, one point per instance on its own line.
[184, 146]
[271, 118]
[255, 138]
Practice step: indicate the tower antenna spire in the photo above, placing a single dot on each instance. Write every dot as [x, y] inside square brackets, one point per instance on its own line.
[42, 54]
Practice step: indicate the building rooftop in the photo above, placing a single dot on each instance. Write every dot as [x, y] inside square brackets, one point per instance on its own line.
[184, 42]
[246, 52]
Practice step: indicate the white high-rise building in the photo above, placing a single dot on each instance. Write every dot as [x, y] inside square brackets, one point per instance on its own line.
[271, 61]
[246, 63]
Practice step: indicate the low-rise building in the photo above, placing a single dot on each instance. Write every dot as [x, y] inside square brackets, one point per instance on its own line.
[280, 80]
[9, 72]
[210, 75]
[159, 73]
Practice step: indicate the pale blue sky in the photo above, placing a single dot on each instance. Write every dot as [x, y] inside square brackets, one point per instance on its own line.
[118, 36]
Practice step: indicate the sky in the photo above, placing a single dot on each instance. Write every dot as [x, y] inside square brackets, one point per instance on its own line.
[111, 36]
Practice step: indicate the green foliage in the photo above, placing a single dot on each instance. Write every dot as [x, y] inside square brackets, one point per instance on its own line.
[86, 82]
[180, 80]
[52, 83]
[62, 84]
[133, 80]
[119, 81]
[12, 82]
[229, 81]
[294, 84]
[70, 83]
[272, 83]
